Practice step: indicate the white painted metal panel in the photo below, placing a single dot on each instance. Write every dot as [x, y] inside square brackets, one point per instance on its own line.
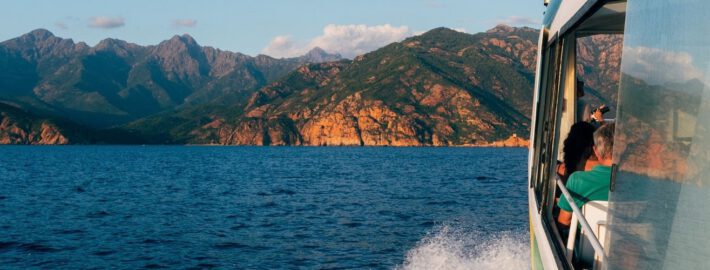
[566, 11]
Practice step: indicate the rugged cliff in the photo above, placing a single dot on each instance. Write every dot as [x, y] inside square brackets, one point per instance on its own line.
[20, 127]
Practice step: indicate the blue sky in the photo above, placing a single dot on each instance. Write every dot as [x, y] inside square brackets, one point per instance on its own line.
[279, 28]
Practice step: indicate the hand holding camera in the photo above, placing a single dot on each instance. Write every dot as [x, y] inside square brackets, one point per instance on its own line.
[598, 112]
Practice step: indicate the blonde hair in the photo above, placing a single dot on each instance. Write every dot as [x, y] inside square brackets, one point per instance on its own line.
[604, 140]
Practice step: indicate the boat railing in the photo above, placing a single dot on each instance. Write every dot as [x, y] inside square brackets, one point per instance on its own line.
[589, 233]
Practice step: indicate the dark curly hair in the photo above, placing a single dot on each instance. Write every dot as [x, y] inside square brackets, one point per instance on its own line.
[577, 146]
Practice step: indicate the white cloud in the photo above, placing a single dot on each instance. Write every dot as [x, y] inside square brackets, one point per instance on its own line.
[460, 29]
[106, 22]
[184, 23]
[348, 40]
[643, 63]
[518, 21]
[284, 46]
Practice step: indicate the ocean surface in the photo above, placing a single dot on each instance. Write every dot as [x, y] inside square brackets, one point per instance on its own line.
[129, 207]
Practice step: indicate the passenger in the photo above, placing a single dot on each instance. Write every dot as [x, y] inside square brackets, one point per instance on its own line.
[591, 185]
[577, 149]
[584, 110]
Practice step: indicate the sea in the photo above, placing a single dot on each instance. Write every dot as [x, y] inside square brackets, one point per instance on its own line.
[206, 207]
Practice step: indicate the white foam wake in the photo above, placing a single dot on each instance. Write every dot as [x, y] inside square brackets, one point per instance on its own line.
[450, 248]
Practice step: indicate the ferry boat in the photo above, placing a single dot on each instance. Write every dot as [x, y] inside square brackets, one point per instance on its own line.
[655, 217]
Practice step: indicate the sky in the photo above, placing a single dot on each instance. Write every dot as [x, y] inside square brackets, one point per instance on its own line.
[279, 28]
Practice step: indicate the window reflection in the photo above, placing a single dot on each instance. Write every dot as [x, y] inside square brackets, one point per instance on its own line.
[657, 214]
[648, 141]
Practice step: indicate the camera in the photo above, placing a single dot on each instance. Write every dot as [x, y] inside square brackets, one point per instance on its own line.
[603, 109]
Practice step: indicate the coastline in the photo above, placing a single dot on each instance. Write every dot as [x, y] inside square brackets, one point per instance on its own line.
[326, 146]
[511, 142]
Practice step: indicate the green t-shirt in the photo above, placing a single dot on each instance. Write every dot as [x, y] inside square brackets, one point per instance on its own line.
[587, 186]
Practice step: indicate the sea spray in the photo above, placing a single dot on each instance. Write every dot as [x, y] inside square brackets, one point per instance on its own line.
[450, 247]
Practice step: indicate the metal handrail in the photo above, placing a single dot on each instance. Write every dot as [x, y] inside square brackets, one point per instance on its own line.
[585, 226]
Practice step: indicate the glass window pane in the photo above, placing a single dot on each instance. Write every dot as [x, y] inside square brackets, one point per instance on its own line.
[657, 216]
[598, 65]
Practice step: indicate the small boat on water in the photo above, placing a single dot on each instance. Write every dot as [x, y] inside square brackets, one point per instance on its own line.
[655, 217]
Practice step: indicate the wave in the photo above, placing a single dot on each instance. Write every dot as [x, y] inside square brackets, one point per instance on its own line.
[451, 247]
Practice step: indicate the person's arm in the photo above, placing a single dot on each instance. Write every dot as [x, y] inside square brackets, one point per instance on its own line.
[564, 218]
[561, 169]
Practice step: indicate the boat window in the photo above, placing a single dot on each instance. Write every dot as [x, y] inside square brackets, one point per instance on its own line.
[657, 213]
[561, 117]
[545, 130]
[589, 77]
[567, 92]
[547, 56]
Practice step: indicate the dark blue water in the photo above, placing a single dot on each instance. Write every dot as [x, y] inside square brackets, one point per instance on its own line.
[260, 208]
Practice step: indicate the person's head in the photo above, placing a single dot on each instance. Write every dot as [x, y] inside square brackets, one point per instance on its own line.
[604, 143]
[578, 146]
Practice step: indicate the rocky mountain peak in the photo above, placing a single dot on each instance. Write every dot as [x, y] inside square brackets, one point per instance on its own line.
[317, 55]
[110, 43]
[188, 39]
[183, 39]
[317, 51]
[80, 46]
[33, 38]
[39, 34]
[40, 43]
[182, 59]
[501, 28]
[179, 46]
[441, 30]
[438, 33]
[178, 43]
[117, 46]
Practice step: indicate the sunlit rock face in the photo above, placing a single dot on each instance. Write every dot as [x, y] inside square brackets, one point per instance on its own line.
[438, 89]
[18, 127]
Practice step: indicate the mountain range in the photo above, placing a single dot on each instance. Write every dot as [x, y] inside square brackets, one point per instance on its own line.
[116, 82]
[439, 88]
